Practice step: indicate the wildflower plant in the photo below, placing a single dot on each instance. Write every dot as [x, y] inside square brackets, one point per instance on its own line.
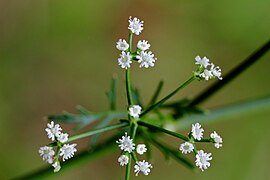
[139, 125]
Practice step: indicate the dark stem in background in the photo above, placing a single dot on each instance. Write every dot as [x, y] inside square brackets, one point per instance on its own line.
[231, 75]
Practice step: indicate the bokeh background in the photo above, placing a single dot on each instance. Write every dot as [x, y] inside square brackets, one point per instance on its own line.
[55, 55]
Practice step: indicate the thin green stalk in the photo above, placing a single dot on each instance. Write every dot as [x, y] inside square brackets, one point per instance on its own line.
[97, 131]
[128, 88]
[128, 168]
[156, 128]
[157, 92]
[156, 105]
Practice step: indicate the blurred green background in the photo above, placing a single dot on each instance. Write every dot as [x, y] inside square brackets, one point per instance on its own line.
[57, 54]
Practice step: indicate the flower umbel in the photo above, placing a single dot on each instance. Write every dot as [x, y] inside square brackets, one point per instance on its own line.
[142, 166]
[135, 25]
[122, 45]
[141, 149]
[126, 143]
[217, 139]
[202, 159]
[143, 45]
[63, 137]
[146, 59]
[123, 160]
[135, 111]
[197, 131]
[47, 154]
[53, 130]
[125, 60]
[56, 166]
[186, 148]
[67, 151]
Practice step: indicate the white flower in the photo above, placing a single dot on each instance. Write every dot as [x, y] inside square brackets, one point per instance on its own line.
[56, 166]
[126, 143]
[47, 153]
[122, 45]
[186, 148]
[217, 139]
[207, 74]
[202, 160]
[135, 111]
[216, 71]
[135, 25]
[125, 60]
[204, 62]
[53, 130]
[141, 148]
[146, 59]
[63, 137]
[67, 151]
[142, 166]
[123, 160]
[197, 131]
[143, 45]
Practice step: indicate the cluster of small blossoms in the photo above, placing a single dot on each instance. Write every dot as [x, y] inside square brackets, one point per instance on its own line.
[206, 70]
[145, 58]
[127, 146]
[54, 132]
[196, 135]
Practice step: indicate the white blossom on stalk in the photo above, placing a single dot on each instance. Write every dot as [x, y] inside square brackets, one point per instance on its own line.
[146, 59]
[142, 166]
[207, 74]
[46, 153]
[135, 111]
[203, 62]
[126, 143]
[135, 25]
[53, 130]
[122, 45]
[125, 60]
[123, 160]
[216, 71]
[202, 160]
[63, 137]
[67, 151]
[56, 166]
[186, 148]
[141, 149]
[217, 139]
[143, 45]
[197, 131]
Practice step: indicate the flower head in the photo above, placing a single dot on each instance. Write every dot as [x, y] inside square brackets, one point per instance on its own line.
[63, 137]
[125, 60]
[186, 148]
[142, 166]
[135, 25]
[141, 149]
[216, 71]
[203, 62]
[206, 74]
[46, 153]
[123, 160]
[122, 45]
[143, 45]
[197, 131]
[67, 151]
[126, 143]
[217, 139]
[56, 166]
[146, 59]
[135, 111]
[53, 130]
[202, 160]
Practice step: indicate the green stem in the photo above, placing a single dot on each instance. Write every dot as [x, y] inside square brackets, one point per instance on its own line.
[128, 168]
[128, 88]
[156, 128]
[96, 131]
[156, 105]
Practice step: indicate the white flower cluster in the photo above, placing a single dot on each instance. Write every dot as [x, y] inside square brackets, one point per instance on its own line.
[127, 146]
[48, 153]
[135, 111]
[202, 158]
[145, 58]
[206, 70]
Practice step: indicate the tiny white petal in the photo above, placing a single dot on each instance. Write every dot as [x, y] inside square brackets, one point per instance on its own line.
[67, 151]
[141, 149]
[47, 153]
[135, 111]
[63, 137]
[125, 60]
[146, 59]
[123, 160]
[53, 130]
[122, 45]
[186, 148]
[202, 160]
[126, 143]
[135, 25]
[143, 45]
[217, 139]
[56, 166]
[197, 131]
[204, 62]
[216, 71]
[142, 166]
